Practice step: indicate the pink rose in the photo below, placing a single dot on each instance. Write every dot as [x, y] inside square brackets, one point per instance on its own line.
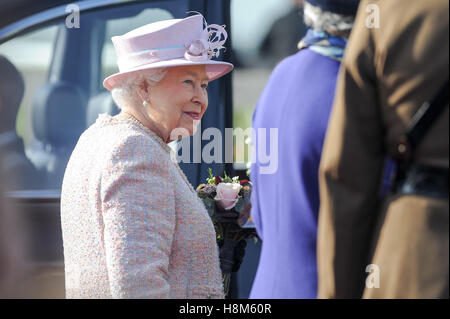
[227, 195]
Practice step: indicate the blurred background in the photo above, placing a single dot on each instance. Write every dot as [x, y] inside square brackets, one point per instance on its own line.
[263, 32]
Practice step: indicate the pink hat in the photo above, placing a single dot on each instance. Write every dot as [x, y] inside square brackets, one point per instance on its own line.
[168, 43]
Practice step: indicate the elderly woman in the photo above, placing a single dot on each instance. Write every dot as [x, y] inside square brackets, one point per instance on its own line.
[297, 100]
[132, 224]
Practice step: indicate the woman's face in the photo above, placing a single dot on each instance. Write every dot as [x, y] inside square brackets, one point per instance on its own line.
[179, 100]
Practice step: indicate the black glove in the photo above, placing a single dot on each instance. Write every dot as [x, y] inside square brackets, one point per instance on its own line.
[231, 254]
[226, 255]
[239, 253]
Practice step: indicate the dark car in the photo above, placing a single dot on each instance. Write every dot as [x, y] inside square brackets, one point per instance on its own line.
[63, 51]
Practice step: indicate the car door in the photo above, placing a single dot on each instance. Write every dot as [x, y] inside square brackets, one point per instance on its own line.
[63, 53]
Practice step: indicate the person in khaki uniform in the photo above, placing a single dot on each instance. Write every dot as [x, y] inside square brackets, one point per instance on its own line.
[388, 71]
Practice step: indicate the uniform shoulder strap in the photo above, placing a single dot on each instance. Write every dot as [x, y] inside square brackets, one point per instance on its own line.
[421, 123]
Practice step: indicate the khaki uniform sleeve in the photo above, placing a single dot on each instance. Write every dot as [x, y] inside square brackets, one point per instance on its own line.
[350, 171]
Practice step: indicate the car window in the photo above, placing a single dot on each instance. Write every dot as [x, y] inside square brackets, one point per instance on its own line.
[63, 70]
[33, 66]
[31, 55]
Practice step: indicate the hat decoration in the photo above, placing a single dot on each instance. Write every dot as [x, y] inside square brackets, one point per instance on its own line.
[208, 46]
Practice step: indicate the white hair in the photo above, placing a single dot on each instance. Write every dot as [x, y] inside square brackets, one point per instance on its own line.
[321, 20]
[125, 93]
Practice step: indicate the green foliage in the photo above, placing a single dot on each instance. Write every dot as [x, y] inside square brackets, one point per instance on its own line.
[211, 180]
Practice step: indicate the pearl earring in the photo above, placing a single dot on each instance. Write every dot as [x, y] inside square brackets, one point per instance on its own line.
[144, 104]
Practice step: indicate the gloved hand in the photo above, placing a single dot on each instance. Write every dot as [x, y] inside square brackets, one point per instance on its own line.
[239, 253]
[231, 254]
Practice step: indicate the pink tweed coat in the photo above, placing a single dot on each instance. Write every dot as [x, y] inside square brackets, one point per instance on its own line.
[132, 224]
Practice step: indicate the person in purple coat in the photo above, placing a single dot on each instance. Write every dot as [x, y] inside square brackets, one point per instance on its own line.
[296, 102]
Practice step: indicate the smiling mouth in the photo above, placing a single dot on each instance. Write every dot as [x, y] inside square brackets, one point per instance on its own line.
[193, 115]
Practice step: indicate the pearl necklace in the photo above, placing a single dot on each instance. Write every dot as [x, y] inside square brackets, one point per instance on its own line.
[158, 139]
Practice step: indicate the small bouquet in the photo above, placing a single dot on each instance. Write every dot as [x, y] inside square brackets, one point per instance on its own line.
[227, 201]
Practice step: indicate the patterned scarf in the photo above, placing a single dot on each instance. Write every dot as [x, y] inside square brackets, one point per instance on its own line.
[324, 44]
